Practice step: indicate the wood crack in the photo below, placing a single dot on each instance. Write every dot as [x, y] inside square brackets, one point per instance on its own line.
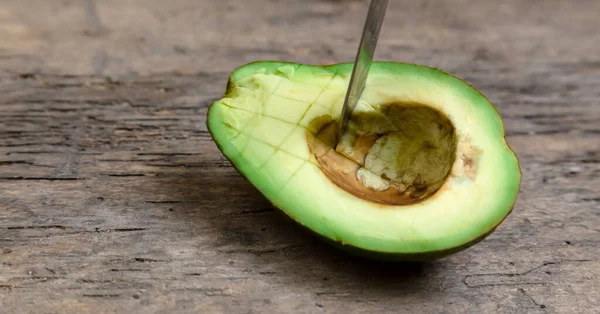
[124, 174]
[252, 212]
[466, 278]
[265, 251]
[41, 178]
[22, 162]
[60, 227]
[101, 295]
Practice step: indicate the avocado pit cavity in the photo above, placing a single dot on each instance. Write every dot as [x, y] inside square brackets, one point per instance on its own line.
[398, 154]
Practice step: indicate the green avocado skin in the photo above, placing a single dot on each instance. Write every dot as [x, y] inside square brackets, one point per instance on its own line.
[380, 255]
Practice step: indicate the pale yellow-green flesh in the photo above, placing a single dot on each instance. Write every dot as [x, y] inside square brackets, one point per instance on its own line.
[261, 127]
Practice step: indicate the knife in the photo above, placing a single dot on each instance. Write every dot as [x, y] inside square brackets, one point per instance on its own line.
[364, 58]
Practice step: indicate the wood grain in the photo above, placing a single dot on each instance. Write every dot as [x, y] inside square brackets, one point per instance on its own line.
[114, 199]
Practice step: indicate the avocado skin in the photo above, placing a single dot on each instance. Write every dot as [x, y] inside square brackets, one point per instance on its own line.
[404, 257]
[363, 252]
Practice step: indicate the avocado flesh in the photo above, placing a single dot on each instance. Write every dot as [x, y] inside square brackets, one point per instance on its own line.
[424, 172]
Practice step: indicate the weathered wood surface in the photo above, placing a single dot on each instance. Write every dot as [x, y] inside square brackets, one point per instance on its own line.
[113, 198]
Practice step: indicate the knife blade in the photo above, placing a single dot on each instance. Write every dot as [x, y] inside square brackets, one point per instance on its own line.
[363, 60]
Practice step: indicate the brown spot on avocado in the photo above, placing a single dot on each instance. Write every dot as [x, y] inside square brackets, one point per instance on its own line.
[467, 161]
[400, 155]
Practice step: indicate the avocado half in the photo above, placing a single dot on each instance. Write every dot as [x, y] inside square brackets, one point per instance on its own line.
[423, 172]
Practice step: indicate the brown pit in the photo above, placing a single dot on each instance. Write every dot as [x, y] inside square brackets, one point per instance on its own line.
[398, 155]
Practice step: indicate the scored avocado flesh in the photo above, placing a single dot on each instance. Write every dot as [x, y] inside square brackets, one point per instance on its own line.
[434, 178]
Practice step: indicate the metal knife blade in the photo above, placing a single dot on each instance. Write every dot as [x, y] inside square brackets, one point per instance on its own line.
[364, 58]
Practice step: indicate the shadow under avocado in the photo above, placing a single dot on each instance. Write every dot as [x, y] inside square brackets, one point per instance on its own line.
[248, 230]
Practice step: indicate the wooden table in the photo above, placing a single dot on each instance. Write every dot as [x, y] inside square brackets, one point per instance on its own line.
[113, 197]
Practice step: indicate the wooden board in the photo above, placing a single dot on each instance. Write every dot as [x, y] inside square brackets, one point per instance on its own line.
[113, 197]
